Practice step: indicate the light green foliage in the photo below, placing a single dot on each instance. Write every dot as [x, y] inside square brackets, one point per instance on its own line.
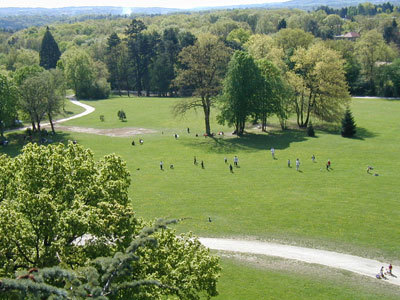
[275, 95]
[154, 265]
[33, 92]
[319, 84]
[239, 35]
[261, 46]
[8, 103]
[291, 39]
[85, 76]
[370, 49]
[52, 197]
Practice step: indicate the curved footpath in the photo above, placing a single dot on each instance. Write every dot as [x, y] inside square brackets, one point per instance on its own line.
[356, 264]
[88, 110]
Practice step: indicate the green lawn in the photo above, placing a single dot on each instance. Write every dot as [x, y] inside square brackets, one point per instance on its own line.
[243, 281]
[345, 209]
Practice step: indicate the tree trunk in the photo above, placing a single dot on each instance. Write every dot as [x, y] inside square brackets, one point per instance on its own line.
[206, 108]
[33, 125]
[51, 124]
[264, 123]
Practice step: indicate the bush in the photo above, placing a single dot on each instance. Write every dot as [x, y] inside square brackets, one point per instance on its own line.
[348, 124]
[121, 115]
[310, 130]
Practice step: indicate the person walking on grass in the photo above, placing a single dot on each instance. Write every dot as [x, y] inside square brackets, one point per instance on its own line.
[225, 160]
[288, 163]
[273, 152]
[235, 161]
[202, 164]
[313, 158]
[230, 168]
[194, 160]
[328, 165]
[161, 166]
[297, 164]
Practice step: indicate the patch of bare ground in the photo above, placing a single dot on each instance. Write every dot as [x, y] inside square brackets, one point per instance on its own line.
[113, 132]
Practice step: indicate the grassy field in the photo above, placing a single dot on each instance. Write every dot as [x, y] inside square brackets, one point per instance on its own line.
[344, 209]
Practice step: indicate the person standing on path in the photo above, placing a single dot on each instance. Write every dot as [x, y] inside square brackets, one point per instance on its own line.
[235, 161]
[297, 164]
[273, 152]
[161, 166]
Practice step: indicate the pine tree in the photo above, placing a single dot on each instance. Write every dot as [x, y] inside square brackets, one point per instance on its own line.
[348, 124]
[49, 51]
[281, 24]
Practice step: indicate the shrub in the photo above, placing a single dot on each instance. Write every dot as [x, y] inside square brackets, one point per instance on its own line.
[310, 130]
[348, 124]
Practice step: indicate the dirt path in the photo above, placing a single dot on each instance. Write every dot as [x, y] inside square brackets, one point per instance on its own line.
[88, 110]
[356, 264]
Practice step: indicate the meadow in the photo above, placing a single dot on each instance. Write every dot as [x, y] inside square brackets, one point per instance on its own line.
[344, 209]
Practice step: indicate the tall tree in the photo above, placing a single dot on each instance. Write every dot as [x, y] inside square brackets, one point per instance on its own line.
[8, 103]
[203, 66]
[33, 93]
[371, 48]
[142, 48]
[243, 87]
[319, 84]
[273, 93]
[49, 51]
[55, 96]
[61, 208]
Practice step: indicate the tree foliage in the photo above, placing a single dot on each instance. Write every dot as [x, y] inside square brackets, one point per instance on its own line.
[319, 84]
[8, 103]
[49, 52]
[69, 216]
[243, 87]
[203, 68]
[348, 124]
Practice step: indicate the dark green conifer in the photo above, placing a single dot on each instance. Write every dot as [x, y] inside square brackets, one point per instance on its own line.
[49, 51]
[310, 130]
[348, 124]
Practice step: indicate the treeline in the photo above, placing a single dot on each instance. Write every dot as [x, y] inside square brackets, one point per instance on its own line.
[364, 9]
[152, 55]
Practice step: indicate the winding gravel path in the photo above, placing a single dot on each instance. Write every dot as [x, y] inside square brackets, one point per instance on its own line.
[356, 264]
[88, 110]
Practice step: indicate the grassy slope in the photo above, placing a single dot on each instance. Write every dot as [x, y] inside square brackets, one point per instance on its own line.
[344, 209]
[243, 281]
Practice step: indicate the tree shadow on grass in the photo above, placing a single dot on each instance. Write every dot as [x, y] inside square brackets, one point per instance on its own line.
[249, 142]
[361, 134]
[17, 141]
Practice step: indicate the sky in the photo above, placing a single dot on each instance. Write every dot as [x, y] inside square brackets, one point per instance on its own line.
[128, 3]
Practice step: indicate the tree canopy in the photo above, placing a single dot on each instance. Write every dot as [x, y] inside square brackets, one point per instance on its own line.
[49, 51]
